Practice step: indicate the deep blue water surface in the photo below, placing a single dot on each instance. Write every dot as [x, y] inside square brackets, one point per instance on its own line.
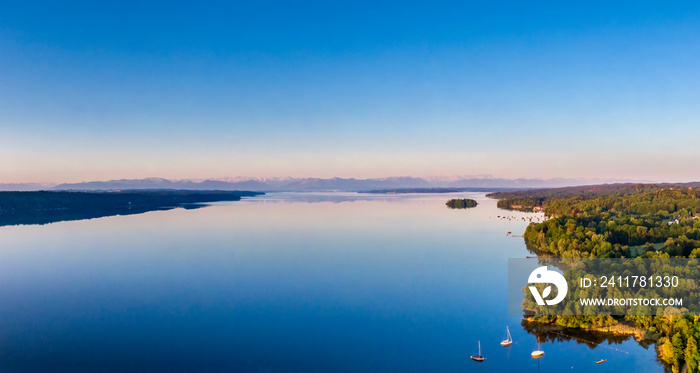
[280, 283]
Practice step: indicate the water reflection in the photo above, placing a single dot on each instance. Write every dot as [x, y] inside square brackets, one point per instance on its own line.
[382, 283]
[591, 339]
[338, 197]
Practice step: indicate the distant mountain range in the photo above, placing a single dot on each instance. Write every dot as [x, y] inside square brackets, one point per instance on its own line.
[26, 186]
[312, 184]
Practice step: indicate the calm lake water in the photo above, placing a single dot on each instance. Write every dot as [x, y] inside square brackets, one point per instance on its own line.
[287, 282]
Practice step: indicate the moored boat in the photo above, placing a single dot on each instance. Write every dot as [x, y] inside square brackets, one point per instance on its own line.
[478, 357]
[509, 340]
[538, 353]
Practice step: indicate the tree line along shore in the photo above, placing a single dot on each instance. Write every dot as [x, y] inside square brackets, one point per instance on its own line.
[621, 221]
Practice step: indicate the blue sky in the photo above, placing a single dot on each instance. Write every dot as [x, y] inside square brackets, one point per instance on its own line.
[100, 90]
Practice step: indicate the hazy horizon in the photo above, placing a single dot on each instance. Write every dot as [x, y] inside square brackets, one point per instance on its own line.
[458, 181]
[593, 180]
[129, 90]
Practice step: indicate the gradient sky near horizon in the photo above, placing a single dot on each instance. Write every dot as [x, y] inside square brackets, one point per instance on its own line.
[97, 90]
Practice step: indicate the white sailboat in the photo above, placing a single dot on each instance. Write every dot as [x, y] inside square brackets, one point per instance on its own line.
[478, 357]
[538, 353]
[509, 340]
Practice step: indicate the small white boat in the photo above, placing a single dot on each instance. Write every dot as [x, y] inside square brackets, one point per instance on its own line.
[478, 357]
[538, 353]
[509, 340]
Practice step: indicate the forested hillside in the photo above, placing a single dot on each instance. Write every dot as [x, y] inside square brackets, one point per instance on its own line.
[654, 221]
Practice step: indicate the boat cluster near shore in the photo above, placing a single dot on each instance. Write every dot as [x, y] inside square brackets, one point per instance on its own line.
[531, 219]
[507, 343]
[536, 354]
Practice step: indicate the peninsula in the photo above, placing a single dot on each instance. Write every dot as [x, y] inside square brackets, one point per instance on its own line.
[45, 207]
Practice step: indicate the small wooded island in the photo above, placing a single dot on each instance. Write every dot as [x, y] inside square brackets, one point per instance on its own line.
[47, 206]
[463, 203]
